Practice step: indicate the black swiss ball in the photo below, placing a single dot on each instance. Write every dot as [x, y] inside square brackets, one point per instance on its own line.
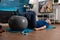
[18, 23]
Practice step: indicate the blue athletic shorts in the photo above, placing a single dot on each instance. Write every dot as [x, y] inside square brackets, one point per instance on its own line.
[41, 23]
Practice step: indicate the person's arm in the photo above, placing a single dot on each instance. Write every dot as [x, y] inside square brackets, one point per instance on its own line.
[48, 21]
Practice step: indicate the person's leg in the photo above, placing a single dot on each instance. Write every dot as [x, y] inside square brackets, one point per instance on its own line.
[31, 17]
[41, 28]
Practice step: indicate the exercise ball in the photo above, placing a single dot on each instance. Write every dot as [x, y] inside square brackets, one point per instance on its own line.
[18, 23]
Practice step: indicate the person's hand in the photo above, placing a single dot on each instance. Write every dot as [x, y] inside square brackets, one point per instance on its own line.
[48, 21]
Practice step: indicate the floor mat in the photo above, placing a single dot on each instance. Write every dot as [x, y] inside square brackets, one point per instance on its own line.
[50, 27]
[24, 32]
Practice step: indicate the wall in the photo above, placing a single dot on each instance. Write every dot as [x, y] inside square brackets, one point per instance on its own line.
[35, 8]
[55, 14]
[58, 13]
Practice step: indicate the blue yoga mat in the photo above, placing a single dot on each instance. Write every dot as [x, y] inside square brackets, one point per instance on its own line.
[24, 32]
[50, 27]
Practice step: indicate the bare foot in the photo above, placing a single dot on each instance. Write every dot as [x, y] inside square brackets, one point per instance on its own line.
[38, 29]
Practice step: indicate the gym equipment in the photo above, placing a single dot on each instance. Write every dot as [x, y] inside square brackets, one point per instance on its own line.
[18, 23]
[31, 17]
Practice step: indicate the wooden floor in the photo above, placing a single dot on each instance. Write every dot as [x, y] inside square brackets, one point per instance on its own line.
[53, 34]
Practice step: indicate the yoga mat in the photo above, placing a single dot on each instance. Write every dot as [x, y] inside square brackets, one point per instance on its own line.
[24, 32]
[50, 27]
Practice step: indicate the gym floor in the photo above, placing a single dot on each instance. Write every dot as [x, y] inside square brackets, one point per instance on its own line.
[53, 34]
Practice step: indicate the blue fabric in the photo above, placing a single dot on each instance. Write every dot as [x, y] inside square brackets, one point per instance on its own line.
[8, 8]
[41, 23]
